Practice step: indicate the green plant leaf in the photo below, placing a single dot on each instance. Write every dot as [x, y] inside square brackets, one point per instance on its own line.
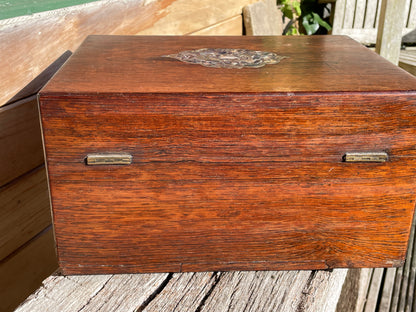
[287, 11]
[312, 21]
[290, 8]
[321, 22]
[292, 31]
[310, 24]
[296, 7]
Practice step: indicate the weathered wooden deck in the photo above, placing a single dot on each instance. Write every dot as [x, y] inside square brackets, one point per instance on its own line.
[210, 291]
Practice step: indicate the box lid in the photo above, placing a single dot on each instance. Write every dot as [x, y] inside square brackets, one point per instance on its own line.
[136, 64]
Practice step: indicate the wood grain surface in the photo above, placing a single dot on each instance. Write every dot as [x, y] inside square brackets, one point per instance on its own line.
[113, 64]
[23, 271]
[92, 293]
[289, 291]
[25, 210]
[231, 179]
[232, 26]
[220, 127]
[20, 140]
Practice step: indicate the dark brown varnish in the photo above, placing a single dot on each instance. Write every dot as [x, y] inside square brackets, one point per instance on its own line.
[233, 169]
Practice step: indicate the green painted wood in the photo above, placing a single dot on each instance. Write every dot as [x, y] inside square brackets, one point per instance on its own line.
[13, 8]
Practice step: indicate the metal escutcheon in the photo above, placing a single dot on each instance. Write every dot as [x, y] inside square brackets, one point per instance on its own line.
[365, 157]
[108, 159]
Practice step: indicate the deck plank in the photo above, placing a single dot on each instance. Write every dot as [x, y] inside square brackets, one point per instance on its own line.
[406, 274]
[373, 291]
[411, 293]
[184, 292]
[85, 293]
[387, 291]
[277, 291]
[209, 291]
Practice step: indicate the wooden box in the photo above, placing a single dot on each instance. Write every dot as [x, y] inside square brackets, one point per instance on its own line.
[159, 164]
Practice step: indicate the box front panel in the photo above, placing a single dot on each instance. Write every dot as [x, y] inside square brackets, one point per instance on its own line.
[219, 182]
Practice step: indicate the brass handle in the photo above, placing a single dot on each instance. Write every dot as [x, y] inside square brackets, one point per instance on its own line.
[108, 159]
[365, 157]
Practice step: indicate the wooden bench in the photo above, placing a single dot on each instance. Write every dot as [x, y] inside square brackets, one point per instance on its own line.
[407, 60]
[379, 22]
[359, 19]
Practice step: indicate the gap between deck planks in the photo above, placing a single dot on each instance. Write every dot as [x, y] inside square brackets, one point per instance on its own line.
[194, 292]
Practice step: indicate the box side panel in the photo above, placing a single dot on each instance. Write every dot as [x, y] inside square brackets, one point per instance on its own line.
[227, 183]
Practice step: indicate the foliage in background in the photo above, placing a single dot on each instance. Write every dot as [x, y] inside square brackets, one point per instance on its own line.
[291, 10]
[306, 17]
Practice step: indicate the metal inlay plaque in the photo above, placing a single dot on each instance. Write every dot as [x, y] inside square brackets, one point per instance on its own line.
[228, 58]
